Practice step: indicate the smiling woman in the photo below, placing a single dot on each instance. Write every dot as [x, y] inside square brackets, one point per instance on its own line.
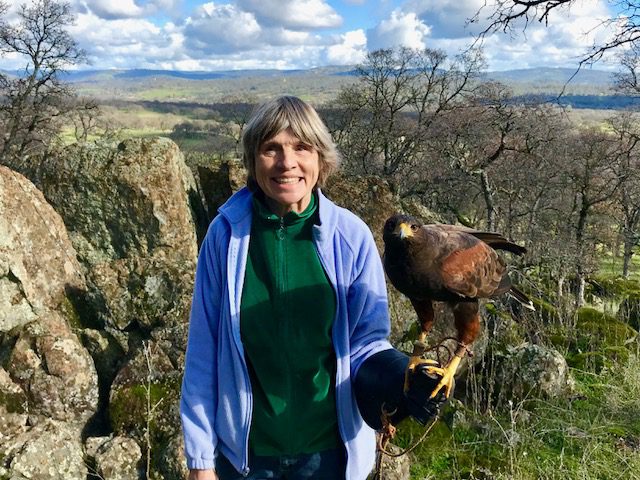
[287, 171]
[289, 314]
[288, 152]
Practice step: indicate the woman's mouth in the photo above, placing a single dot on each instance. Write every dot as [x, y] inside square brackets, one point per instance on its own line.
[286, 180]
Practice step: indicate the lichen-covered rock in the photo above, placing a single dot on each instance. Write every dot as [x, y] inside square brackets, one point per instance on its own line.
[218, 181]
[13, 407]
[127, 209]
[118, 458]
[48, 451]
[370, 198]
[38, 265]
[144, 399]
[173, 464]
[394, 468]
[56, 374]
[46, 372]
[532, 371]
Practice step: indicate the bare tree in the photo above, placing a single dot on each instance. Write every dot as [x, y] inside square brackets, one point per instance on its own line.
[592, 182]
[34, 102]
[237, 111]
[384, 119]
[508, 15]
[627, 199]
[628, 78]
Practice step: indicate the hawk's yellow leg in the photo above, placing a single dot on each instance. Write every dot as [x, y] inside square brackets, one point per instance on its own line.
[448, 373]
[419, 347]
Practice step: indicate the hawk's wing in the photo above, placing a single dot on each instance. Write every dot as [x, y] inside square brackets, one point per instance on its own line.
[493, 239]
[473, 270]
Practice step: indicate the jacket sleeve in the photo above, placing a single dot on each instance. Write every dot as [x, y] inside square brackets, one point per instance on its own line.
[367, 303]
[198, 399]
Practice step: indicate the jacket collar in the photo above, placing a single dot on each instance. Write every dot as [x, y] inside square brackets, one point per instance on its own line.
[237, 209]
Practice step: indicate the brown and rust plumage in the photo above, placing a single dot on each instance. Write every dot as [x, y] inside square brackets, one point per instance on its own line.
[457, 265]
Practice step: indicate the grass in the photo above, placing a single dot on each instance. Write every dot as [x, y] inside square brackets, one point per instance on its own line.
[611, 265]
[595, 434]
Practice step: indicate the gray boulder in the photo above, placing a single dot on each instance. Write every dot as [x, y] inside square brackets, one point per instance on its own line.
[50, 450]
[117, 458]
[46, 373]
[127, 210]
[532, 371]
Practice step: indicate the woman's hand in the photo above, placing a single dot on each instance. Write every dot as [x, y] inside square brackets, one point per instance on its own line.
[202, 475]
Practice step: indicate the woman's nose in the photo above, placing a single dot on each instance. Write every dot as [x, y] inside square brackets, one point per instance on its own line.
[287, 158]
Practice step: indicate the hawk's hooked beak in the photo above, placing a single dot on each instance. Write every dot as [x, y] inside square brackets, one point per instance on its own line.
[404, 230]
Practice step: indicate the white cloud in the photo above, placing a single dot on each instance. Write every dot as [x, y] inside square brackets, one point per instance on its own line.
[109, 9]
[349, 51]
[220, 29]
[293, 14]
[447, 18]
[404, 29]
[569, 32]
[117, 9]
[130, 43]
[292, 33]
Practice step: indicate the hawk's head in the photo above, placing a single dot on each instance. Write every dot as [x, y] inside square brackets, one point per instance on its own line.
[399, 227]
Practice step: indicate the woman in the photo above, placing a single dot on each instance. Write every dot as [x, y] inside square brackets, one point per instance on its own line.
[289, 302]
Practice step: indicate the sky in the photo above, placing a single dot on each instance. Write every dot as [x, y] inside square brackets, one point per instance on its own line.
[302, 34]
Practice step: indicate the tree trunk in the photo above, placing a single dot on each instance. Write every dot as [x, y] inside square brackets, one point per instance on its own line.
[629, 242]
[488, 200]
[561, 287]
[580, 294]
[580, 273]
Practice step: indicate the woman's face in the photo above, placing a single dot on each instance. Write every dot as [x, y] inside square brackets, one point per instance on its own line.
[287, 170]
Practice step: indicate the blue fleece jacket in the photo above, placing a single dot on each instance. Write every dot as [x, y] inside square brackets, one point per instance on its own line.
[216, 403]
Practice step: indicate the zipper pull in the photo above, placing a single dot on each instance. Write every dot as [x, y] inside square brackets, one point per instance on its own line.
[281, 231]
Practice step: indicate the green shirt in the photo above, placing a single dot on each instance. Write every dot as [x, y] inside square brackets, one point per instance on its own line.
[287, 311]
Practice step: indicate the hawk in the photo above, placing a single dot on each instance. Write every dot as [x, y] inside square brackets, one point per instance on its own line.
[451, 264]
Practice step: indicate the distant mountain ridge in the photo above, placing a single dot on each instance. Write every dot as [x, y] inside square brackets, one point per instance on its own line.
[590, 88]
[528, 75]
[554, 75]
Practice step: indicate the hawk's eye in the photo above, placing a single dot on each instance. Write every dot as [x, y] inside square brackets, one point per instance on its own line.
[414, 227]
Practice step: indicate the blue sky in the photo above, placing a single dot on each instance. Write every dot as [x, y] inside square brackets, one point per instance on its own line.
[287, 34]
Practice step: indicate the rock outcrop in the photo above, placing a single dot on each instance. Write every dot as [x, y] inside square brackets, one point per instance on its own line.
[50, 450]
[38, 265]
[127, 210]
[48, 383]
[117, 458]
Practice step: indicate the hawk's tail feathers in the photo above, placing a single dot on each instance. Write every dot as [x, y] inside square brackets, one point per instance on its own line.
[522, 298]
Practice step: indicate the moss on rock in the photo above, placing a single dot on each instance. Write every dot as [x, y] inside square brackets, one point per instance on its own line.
[13, 402]
[597, 330]
[607, 287]
[134, 408]
[629, 310]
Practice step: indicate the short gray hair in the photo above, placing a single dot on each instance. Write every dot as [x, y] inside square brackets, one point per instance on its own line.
[279, 114]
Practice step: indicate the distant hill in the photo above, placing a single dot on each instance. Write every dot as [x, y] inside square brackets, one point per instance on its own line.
[554, 76]
[588, 88]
